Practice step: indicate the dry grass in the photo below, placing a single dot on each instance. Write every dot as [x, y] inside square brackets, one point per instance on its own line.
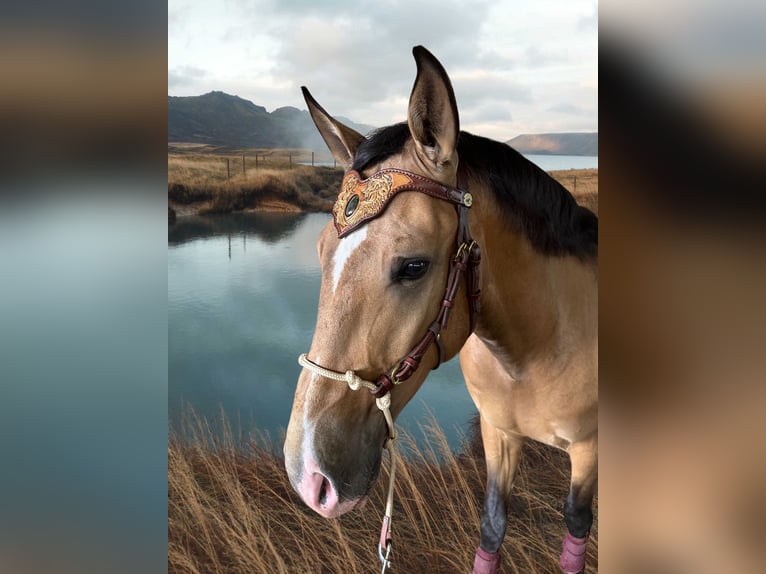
[202, 181]
[582, 183]
[232, 510]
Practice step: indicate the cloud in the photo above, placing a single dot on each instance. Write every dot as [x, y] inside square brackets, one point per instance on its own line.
[356, 59]
[567, 108]
[368, 52]
[494, 111]
[535, 57]
[184, 76]
[480, 86]
[588, 23]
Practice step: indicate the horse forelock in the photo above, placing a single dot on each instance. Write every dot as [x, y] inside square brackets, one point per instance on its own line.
[381, 145]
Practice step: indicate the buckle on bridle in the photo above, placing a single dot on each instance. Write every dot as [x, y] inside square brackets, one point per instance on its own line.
[394, 379]
[464, 247]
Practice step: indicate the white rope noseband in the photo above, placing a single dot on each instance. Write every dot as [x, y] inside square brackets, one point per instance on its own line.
[355, 383]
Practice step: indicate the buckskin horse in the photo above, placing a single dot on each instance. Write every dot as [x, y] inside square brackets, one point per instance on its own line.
[423, 206]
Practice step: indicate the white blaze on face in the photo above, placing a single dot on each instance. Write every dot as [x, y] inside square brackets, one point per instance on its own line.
[345, 249]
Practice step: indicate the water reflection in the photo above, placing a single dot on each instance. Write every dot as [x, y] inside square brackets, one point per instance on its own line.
[270, 227]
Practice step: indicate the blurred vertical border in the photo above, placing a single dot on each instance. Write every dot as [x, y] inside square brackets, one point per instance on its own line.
[83, 287]
[83, 331]
[682, 287]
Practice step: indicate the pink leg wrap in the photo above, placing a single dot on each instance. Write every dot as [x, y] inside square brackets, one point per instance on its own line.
[573, 554]
[486, 562]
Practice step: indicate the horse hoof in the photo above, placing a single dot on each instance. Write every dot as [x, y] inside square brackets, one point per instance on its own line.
[486, 562]
[573, 554]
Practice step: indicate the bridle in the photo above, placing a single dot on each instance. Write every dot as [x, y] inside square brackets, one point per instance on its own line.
[361, 200]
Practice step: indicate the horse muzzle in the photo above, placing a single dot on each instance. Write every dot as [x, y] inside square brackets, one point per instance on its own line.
[320, 494]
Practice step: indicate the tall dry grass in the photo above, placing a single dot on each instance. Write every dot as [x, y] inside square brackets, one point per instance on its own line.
[232, 510]
[582, 184]
[204, 180]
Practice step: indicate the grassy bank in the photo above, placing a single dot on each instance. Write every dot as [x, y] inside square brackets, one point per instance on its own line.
[203, 184]
[233, 511]
[199, 181]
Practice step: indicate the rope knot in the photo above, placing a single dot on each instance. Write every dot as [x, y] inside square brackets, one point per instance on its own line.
[353, 380]
[384, 402]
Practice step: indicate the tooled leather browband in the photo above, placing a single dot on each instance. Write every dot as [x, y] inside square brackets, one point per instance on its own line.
[360, 199]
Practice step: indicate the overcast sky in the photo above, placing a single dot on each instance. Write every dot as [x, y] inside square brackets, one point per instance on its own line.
[526, 66]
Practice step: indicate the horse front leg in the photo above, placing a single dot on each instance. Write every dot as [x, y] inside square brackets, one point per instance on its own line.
[502, 453]
[577, 509]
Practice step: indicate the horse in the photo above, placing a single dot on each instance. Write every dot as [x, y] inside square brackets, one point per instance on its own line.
[423, 205]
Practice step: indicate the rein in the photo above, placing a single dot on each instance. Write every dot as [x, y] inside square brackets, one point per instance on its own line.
[359, 201]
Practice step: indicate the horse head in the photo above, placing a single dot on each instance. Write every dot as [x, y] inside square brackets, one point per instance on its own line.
[386, 258]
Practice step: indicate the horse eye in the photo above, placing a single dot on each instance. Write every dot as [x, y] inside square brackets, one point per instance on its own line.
[412, 269]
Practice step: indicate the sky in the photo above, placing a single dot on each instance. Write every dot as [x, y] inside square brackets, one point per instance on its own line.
[526, 66]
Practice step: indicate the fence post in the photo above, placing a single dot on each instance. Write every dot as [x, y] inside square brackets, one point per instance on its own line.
[256, 161]
[243, 165]
[290, 160]
[575, 184]
[228, 172]
[312, 159]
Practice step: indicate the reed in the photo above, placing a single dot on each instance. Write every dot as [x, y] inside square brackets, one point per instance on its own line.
[232, 510]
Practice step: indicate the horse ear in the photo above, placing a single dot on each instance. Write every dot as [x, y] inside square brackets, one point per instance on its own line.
[433, 117]
[341, 140]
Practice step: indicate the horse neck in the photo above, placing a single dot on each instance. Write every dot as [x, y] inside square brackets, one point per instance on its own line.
[535, 307]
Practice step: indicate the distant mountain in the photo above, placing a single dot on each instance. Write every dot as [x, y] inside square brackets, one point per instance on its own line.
[222, 119]
[556, 144]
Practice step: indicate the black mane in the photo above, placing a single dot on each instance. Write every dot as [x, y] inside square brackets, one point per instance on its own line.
[541, 207]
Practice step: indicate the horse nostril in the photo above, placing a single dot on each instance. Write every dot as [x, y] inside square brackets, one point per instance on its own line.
[317, 490]
[323, 492]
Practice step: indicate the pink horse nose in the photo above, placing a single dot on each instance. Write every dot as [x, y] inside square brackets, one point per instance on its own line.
[317, 490]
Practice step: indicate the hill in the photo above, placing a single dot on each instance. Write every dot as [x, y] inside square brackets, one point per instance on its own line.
[222, 119]
[556, 144]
